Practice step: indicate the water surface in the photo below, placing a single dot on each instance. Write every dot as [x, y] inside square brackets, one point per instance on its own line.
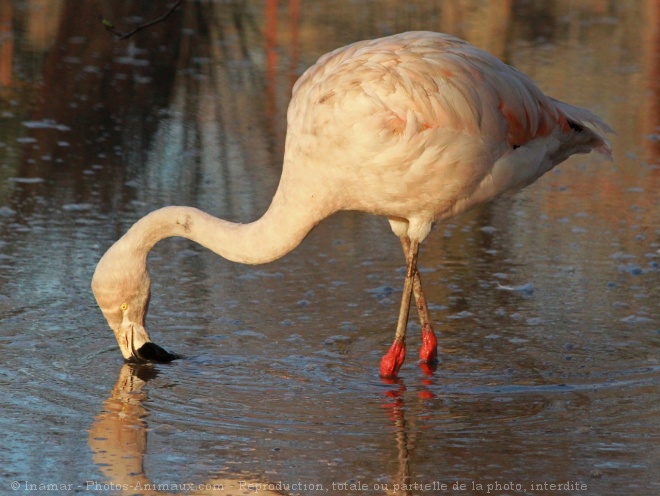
[545, 303]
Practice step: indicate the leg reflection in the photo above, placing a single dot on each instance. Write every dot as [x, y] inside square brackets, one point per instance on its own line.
[406, 429]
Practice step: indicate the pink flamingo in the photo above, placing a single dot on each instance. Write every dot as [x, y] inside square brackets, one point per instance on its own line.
[418, 127]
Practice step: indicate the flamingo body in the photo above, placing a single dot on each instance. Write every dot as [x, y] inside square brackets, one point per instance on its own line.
[423, 126]
[417, 127]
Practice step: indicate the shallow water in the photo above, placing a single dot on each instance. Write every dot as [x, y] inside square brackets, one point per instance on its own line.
[545, 303]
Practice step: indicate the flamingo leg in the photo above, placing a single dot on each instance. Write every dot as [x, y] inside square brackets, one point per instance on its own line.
[393, 359]
[428, 353]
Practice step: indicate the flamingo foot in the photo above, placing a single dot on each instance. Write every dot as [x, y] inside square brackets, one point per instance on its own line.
[427, 368]
[393, 359]
[429, 350]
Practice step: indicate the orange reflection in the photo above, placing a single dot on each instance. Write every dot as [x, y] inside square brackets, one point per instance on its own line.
[118, 440]
[6, 43]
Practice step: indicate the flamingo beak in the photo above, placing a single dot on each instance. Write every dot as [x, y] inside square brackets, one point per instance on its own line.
[151, 352]
[136, 347]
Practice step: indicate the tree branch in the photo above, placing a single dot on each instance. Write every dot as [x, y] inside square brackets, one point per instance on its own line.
[109, 26]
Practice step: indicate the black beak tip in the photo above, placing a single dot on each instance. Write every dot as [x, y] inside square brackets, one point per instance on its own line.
[151, 352]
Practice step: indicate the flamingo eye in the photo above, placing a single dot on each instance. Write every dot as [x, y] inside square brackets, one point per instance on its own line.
[124, 307]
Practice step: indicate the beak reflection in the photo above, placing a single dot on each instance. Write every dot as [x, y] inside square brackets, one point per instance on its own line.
[118, 440]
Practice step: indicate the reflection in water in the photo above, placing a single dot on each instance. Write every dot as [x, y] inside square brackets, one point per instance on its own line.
[118, 439]
[405, 443]
[6, 45]
[556, 383]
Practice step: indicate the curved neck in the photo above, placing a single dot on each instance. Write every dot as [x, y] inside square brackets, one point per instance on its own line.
[281, 229]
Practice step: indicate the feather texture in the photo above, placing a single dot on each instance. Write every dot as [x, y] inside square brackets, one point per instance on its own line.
[416, 127]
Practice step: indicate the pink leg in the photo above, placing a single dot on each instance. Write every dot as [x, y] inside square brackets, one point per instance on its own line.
[428, 353]
[393, 359]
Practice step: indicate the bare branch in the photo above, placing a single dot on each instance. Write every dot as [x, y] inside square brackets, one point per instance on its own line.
[109, 26]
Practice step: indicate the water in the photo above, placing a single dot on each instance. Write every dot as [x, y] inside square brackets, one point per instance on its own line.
[545, 303]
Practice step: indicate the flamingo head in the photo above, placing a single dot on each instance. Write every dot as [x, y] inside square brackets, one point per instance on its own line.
[122, 293]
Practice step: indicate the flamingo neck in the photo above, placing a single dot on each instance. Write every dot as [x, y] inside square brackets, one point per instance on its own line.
[281, 229]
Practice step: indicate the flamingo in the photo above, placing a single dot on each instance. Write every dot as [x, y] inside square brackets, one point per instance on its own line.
[418, 127]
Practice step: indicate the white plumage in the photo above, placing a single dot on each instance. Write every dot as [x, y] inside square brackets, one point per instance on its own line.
[417, 127]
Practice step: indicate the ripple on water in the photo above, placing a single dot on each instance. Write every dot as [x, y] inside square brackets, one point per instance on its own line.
[300, 394]
[290, 393]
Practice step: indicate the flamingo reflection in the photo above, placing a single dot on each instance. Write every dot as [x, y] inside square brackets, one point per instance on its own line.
[118, 439]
